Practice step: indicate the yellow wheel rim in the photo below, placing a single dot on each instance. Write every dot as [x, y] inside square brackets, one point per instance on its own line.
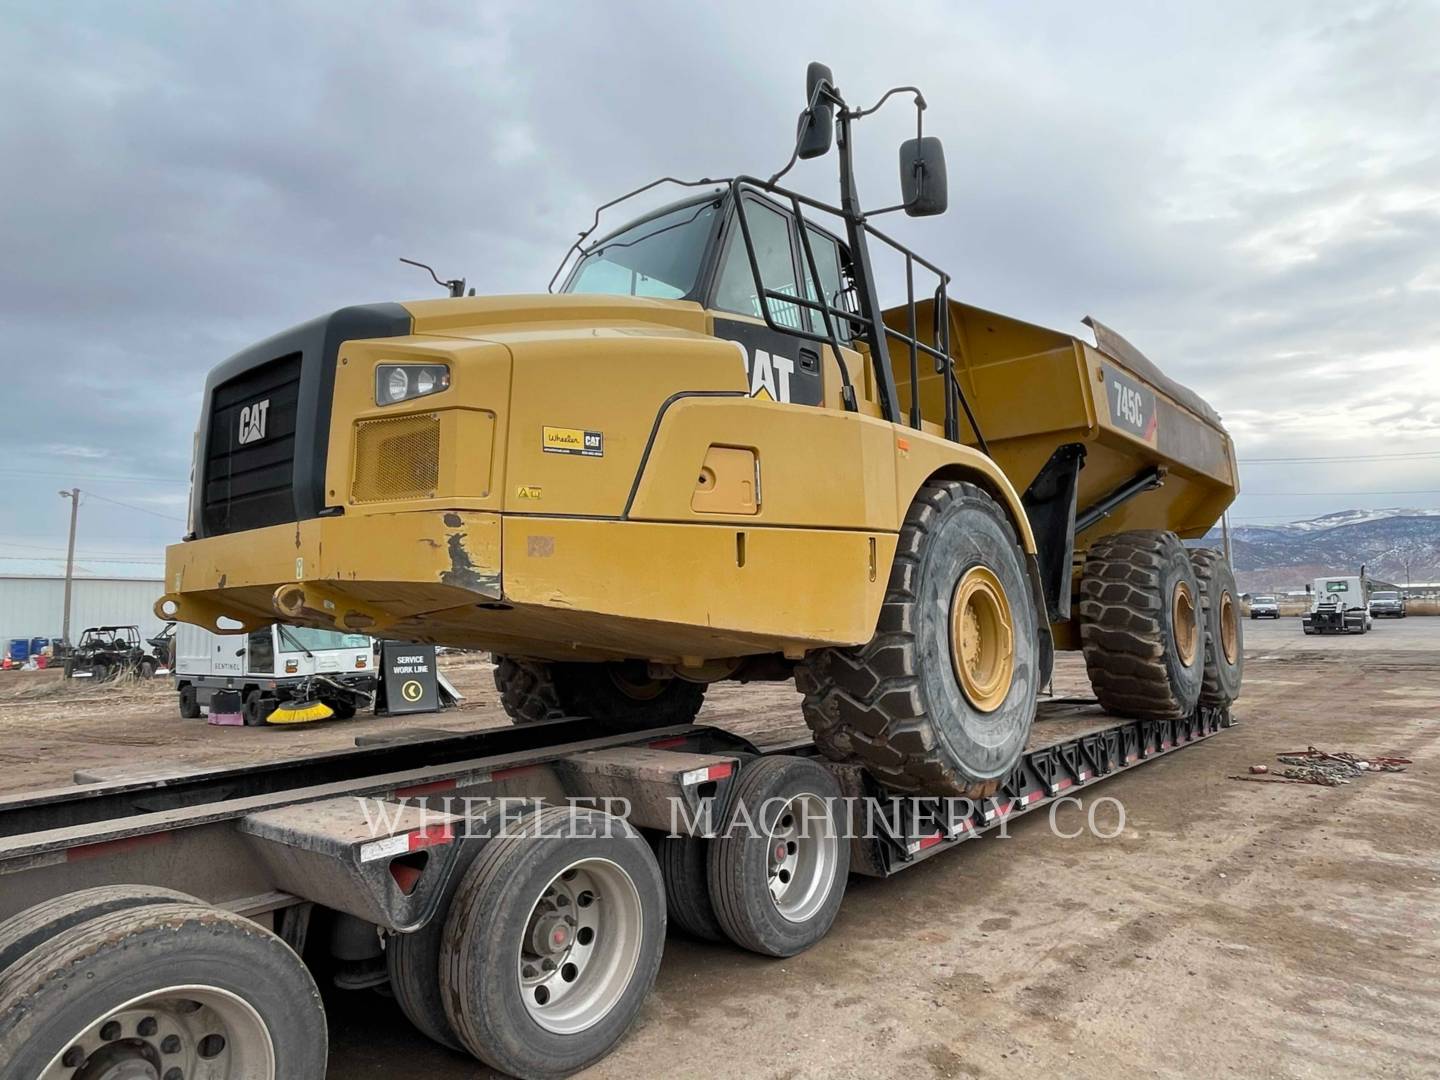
[1229, 628]
[1182, 619]
[643, 688]
[982, 639]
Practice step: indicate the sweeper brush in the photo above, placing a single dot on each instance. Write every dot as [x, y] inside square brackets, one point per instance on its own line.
[300, 712]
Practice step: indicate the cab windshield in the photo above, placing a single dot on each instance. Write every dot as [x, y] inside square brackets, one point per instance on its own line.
[658, 257]
[296, 639]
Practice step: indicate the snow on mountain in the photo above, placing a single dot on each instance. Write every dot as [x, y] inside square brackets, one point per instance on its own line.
[1394, 544]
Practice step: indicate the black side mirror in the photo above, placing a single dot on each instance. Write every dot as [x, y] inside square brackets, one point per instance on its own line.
[817, 126]
[924, 191]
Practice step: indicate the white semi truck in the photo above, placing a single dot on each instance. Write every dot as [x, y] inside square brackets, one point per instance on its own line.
[1338, 605]
[273, 665]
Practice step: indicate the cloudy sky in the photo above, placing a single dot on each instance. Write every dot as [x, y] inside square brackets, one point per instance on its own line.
[1249, 192]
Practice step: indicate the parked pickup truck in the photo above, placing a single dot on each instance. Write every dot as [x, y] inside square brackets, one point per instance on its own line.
[1387, 603]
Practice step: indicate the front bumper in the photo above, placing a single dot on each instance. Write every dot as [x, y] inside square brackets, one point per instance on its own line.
[359, 573]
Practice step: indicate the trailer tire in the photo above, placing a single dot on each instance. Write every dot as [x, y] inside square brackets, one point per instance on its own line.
[783, 834]
[618, 693]
[34, 926]
[1140, 627]
[189, 703]
[906, 705]
[498, 995]
[413, 959]
[141, 970]
[1224, 642]
[684, 868]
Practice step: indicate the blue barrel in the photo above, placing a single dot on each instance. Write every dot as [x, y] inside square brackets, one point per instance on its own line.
[38, 645]
[19, 649]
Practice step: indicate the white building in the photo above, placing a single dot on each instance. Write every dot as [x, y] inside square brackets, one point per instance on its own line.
[32, 596]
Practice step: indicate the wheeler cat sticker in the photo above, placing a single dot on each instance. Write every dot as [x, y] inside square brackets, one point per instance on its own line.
[564, 440]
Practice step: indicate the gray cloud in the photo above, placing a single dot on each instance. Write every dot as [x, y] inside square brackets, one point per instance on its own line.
[1249, 196]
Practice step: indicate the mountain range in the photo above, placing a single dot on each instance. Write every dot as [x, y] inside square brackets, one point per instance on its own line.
[1395, 545]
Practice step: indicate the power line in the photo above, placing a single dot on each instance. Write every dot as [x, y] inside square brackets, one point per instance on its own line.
[1332, 458]
[85, 477]
[1338, 494]
[137, 509]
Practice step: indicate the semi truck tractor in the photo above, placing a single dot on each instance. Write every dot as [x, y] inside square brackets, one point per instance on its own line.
[712, 453]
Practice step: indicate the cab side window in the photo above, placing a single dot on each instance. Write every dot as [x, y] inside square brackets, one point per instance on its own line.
[770, 233]
[261, 644]
[827, 262]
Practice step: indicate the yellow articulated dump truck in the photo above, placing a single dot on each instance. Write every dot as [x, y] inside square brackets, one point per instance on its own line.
[713, 452]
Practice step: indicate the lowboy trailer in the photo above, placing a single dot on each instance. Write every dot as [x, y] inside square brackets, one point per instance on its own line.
[156, 925]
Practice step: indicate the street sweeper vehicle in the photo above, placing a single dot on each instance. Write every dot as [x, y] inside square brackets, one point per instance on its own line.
[283, 674]
[713, 454]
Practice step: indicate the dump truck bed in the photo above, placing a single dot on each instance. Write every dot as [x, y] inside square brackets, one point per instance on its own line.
[1033, 389]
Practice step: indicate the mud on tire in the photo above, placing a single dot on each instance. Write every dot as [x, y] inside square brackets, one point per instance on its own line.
[896, 704]
[618, 693]
[1132, 586]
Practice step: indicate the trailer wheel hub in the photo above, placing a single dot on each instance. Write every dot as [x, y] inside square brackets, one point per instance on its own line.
[580, 946]
[186, 1031]
[1183, 622]
[982, 646]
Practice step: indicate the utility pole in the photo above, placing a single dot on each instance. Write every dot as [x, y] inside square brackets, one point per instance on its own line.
[74, 496]
[1225, 532]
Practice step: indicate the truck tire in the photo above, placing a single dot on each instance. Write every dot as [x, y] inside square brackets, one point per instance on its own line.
[778, 870]
[619, 693]
[413, 959]
[189, 703]
[1140, 626]
[194, 985]
[1220, 616]
[941, 699]
[34, 926]
[256, 708]
[684, 869]
[581, 893]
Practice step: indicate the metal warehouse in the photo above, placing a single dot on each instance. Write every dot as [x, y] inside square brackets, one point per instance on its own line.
[32, 596]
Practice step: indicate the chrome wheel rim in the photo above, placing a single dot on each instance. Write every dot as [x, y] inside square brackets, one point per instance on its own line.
[179, 1033]
[580, 946]
[802, 858]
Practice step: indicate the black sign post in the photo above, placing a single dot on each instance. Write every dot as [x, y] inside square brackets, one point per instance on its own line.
[408, 678]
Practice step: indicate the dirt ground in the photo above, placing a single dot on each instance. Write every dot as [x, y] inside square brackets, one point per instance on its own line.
[1231, 928]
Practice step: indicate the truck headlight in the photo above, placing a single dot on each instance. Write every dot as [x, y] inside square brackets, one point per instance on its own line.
[395, 383]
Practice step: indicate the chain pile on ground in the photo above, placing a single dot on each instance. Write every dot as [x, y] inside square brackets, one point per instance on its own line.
[1315, 766]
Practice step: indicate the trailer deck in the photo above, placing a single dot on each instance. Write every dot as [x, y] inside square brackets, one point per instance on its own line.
[180, 830]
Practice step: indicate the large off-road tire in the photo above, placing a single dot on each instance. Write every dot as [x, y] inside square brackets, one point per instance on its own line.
[941, 699]
[194, 987]
[553, 942]
[1220, 616]
[778, 870]
[617, 693]
[1140, 625]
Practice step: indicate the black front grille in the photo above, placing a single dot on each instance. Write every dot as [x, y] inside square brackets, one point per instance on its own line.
[276, 475]
[250, 452]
